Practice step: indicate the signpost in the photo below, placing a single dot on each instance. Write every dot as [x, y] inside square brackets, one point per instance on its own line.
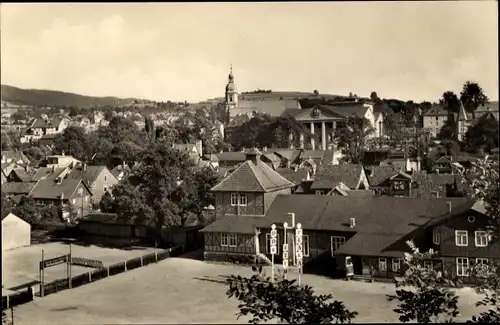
[298, 248]
[53, 262]
[285, 250]
[274, 246]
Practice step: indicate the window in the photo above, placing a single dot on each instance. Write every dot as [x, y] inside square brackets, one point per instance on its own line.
[396, 265]
[382, 264]
[305, 245]
[232, 240]
[104, 178]
[462, 266]
[239, 199]
[482, 265]
[224, 240]
[399, 185]
[105, 188]
[86, 198]
[436, 237]
[234, 199]
[461, 238]
[242, 200]
[320, 192]
[336, 242]
[268, 243]
[481, 238]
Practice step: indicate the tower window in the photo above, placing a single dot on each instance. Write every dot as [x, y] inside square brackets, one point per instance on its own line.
[230, 98]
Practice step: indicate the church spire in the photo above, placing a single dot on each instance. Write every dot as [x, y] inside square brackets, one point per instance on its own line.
[231, 77]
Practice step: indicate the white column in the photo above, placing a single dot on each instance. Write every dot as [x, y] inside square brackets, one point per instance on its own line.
[323, 135]
[290, 139]
[313, 142]
[301, 137]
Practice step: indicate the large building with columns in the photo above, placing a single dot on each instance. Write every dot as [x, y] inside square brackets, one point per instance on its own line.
[320, 120]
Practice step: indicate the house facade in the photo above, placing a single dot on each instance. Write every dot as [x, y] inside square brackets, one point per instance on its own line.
[99, 179]
[434, 119]
[329, 177]
[15, 232]
[241, 199]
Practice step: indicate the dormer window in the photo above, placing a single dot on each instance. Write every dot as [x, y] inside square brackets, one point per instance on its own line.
[399, 185]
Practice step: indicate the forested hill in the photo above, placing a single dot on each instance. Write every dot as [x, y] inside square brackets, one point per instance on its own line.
[36, 97]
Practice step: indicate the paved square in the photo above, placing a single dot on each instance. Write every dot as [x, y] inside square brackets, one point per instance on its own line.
[176, 290]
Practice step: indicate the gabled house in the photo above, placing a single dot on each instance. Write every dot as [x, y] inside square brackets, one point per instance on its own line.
[241, 199]
[44, 126]
[69, 194]
[270, 158]
[18, 189]
[289, 157]
[99, 179]
[50, 173]
[328, 177]
[443, 165]
[463, 240]
[231, 158]
[61, 161]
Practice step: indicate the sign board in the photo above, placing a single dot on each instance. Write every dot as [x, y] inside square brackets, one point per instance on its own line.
[285, 255]
[285, 248]
[285, 263]
[274, 233]
[274, 250]
[298, 232]
[298, 248]
[299, 256]
[298, 240]
[54, 261]
[274, 242]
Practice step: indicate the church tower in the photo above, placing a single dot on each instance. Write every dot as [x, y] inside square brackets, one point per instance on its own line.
[231, 95]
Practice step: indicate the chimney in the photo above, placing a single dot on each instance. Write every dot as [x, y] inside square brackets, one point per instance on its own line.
[62, 154]
[352, 222]
[199, 147]
[253, 155]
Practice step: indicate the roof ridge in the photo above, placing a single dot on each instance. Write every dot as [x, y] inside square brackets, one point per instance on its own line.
[277, 174]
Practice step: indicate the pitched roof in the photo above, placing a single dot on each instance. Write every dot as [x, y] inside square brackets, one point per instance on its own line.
[273, 107]
[253, 178]
[346, 109]
[234, 224]
[46, 123]
[462, 114]
[304, 187]
[393, 215]
[436, 110]
[273, 158]
[289, 154]
[48, 173]
[88, 174]
[50, 189]
[369, 244]
[361, 193]
[231, 156]
[328, 176]
[23, 174]
[380, 174]
[18, 187]
[15, 156]
[293, 176]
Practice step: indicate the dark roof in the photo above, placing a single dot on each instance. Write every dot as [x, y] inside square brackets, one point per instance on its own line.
[327, 158]
[272, 157]
[107, 218]
[346, 109]
[393, 215]
[50, 189]
[368, 244]
[329, 176]
[18, 187]
[231, 156]
[304, 187]
[293, 176]
[48, 173]
[234, 224]
[238, 120]
[436, 110]
[360, 193]
[292, 112]
[23, 174]
[253, 178]
[88, 174]
[380, 174]
[46, 123]
[289, 154]
[15, 156]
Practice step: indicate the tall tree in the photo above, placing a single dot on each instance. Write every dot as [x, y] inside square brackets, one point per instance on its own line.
[73, 141]
[482, 135]
[352, 138]
[472, 96]
[284, 301]
[450, 101]
[449, 130]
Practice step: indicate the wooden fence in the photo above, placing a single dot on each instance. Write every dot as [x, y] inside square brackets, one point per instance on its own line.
[17, 298]
[106, 271]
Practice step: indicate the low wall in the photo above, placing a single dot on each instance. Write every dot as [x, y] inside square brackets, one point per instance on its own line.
[107, 271]
[16, 299]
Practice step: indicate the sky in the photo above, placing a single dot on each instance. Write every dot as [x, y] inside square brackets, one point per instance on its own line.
[182, 51]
